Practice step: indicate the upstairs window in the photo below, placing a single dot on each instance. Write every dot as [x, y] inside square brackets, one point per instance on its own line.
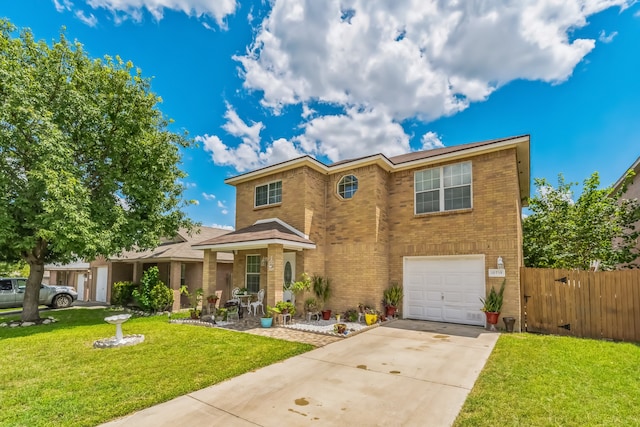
[443, 189]
[347, 186]
[269, 194]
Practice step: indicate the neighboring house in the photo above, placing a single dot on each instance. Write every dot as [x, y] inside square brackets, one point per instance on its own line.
[74, 274]
[178, 263]
[434, 221]
[632, 192]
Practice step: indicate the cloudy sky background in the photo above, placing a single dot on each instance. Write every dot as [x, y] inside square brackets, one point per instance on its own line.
[257, 83]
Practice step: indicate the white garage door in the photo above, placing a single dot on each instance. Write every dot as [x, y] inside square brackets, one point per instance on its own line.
[444, 289]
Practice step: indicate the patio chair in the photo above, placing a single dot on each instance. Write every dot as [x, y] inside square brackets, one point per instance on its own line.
[257, 303]
[234, 296]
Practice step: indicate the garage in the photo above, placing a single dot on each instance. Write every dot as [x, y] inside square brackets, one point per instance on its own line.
[444, 289]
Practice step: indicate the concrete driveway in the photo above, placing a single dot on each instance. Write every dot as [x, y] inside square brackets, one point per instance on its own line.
[408, 373]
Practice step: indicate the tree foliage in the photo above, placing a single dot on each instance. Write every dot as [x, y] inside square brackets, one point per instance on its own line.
[563, 233]
[87, 165]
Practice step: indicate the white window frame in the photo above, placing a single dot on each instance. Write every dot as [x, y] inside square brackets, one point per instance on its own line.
[442, 188]
[269, 202]
[252, 273]
[353, 193]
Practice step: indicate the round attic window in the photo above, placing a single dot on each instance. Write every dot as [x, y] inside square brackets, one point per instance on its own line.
[347, 186]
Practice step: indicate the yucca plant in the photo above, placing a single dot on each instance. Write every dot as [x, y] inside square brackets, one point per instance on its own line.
[493, 302]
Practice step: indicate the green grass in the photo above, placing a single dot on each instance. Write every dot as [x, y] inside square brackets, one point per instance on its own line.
[533, 380]
[51, 374]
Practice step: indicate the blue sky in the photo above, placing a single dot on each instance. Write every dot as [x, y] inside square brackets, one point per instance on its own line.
[256, 83]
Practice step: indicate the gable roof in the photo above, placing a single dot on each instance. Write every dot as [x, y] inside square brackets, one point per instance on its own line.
[636, 168]
[259, 235]
[178, 248]
[409, 160]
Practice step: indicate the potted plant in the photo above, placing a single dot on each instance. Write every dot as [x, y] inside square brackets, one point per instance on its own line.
[322, 288]
[285, 307]
[195, 299]
[370, 315]
[351, 315]
[392, 296]
[267, 319]
[212, 299]
[492, 304]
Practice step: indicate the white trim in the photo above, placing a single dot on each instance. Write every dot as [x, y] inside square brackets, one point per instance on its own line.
[246, 267]
[338, 186]
[255, 189]
[257, 244]
[284, 224]
[441, 189]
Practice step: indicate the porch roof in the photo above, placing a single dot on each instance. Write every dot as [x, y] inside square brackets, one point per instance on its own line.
[177, 248]
[259, 235]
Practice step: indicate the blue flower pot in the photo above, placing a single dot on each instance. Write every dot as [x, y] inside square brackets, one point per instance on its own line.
[266, 322]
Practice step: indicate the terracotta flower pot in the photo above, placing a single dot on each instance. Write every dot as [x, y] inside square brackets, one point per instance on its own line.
[391, 310]
[492, 317]
[326, 314]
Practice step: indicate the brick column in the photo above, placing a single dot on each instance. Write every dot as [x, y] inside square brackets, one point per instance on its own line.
[209, 273]
[275, 272]
[174, 283]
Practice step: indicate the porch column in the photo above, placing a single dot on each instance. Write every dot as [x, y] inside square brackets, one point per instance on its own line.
[209, 273]
[275, 273]
[137, 272]
[174, 283]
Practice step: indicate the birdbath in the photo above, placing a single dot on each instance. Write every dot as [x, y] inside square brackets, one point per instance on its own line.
[118, 321]
[119, 340]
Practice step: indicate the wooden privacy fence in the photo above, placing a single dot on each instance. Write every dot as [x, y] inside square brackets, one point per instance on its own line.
[602, 305]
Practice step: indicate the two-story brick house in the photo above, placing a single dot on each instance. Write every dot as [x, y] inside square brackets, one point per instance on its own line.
[434, 221]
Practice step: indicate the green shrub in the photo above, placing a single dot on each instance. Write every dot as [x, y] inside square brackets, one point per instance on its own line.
[153, 295]
[122, 293]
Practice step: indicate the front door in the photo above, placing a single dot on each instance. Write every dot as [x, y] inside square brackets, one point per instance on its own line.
[80, 286]
[289, 275]
[101, 284]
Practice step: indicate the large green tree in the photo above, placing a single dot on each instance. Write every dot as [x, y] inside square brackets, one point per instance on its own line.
[562, 232]
[87, 164]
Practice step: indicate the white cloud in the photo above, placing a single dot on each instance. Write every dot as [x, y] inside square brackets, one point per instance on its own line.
[248, 154]
[414, 59]
[431, 140]
[224, 209]
[125, 9]
[377, 65]
[63, 5]
[354, 134]
[208, 196]
[604, 38]
[90, 20]
[224, 227]
[235, 126]
[306, 111]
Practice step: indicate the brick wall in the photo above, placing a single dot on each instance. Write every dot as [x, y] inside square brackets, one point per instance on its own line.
[491, 227]
[361, 242]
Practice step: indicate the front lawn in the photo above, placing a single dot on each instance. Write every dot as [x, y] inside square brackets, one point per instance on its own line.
[52, 375]
[534, 380]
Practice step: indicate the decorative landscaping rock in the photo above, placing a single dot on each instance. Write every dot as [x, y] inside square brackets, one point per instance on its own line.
[16, 323]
